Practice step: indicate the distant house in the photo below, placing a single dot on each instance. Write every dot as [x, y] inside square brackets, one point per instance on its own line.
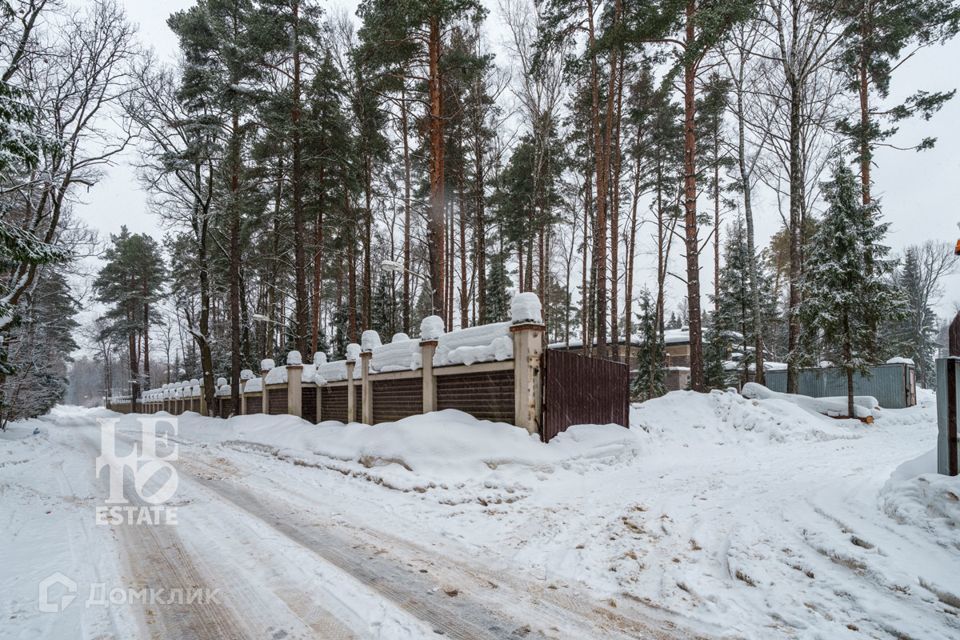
[677, 365]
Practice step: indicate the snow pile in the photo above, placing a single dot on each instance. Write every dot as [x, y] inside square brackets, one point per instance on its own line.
[369, 340]
[401, 354]
[835, 407]
[333, 371]
[431, 328]
[276, 375]
[726, 416]
[253, 385]
[526, 307]
[441, 450]
[917, 495]
[224, 391]
[353, 351]
[483, 343]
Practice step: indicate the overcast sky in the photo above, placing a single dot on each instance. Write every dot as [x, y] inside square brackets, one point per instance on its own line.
[919, 192]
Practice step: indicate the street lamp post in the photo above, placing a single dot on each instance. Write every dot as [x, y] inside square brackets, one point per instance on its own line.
[392, 266]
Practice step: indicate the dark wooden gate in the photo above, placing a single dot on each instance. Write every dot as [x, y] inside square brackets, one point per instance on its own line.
[582, 390]
[955, 337]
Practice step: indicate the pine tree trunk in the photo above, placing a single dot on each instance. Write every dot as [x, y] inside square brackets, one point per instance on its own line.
[436, 234]
[863, 89]
[407, 328]
[464, 294]
[367, 233]
[697, 381]
[317, 264]
[234, 258]
[601, 147]
[296, 178]
[615, 206]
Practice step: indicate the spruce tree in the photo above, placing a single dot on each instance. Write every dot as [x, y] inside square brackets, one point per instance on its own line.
[847, 289]
[498, 283]
[651, 353]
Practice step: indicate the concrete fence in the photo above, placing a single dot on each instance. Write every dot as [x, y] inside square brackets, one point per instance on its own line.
[492, 372]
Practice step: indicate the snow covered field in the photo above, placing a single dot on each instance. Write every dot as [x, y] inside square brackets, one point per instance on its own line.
[713, 516]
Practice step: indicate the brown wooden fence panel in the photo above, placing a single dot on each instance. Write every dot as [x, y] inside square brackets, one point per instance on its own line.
[486, 396]
[308, 400]
[277, 401]
[254, 404]
[396, 399]
[333, 403]
[582, 390]
[226, 407]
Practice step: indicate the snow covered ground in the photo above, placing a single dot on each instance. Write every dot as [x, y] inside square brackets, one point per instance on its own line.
[712, 516]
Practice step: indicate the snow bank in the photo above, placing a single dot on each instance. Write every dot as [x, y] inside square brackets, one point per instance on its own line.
[726, 416]
[915, 494]
[438, 449]
[864, 406]
[484, 343]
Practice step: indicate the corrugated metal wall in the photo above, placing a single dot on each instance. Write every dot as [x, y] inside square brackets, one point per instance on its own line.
[893, 385]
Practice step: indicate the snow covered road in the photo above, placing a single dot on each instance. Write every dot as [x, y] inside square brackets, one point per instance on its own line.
[713, 516]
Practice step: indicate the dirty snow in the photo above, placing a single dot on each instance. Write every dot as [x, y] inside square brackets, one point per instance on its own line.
[714, 515]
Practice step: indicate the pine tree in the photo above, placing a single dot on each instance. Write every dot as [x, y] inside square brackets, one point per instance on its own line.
[876, 34]
[131, 282]
[651, 353]
[847, 291]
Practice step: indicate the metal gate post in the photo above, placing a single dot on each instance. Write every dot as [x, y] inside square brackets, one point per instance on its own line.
[948, 413]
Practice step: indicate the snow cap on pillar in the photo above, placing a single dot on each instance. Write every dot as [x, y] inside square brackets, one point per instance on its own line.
[399, 337]
[526, 308]
[353, 351]
[267, 364]
[246, 374]
[431, 328]
[221, 382]
[319, 358]
[294, 358]
[369, 340]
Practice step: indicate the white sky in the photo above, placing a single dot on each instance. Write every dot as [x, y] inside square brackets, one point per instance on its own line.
[919, 192]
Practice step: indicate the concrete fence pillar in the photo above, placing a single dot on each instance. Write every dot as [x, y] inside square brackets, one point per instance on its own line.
[366, 399]
[528, 341]
[351, 392]
[266, 366]
[427, 349]
[295, 390]
[948, 415]
[245, 375]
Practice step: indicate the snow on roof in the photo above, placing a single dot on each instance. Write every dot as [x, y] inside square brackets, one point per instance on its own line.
[901, 360]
